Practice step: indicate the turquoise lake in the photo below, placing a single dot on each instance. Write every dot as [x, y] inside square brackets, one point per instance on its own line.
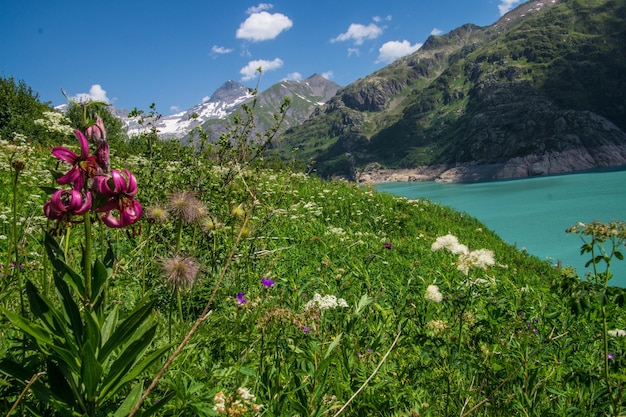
[533, 213]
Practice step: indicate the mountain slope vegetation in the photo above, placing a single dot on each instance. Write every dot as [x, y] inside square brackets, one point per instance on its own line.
[540, 91]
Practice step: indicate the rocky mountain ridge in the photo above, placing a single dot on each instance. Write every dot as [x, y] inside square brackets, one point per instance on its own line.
[213, 115]
[541, 91]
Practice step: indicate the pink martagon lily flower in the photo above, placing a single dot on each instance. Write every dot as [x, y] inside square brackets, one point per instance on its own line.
[120, 190]
[83, 165]
[64, 203]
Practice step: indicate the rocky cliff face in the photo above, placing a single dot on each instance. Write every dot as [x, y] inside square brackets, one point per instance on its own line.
[541, 91]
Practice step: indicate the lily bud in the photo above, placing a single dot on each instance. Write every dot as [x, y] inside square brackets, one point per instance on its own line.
[96, 132]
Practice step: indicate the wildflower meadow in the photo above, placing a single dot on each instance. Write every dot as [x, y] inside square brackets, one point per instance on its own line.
[141, 277]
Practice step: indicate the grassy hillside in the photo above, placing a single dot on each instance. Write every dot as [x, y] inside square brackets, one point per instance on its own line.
[297, 296]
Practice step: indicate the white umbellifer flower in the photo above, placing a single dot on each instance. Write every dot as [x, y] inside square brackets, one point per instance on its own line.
[325, 302]
[433, 294]
[617, 333]
[451, 243]
[480, 258]
[245, 394]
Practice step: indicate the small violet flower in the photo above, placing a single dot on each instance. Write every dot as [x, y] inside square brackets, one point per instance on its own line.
[267, 282]
[241, 299]
[388, 245]
[611, 356]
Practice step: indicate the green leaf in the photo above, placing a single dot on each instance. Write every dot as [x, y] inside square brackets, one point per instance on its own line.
[128, 328]
[71, 310]
[333, 345]
[110, 323]
[618, 255]
[41, 335]
[91, 370]
[99, 277]
[140, 367]
[124, 362]
[131, 400]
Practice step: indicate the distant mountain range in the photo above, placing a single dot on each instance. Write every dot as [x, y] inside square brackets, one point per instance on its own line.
[214, 114]
[541, 91]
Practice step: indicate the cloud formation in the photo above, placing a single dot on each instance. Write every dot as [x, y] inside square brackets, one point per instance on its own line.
[436, 32]
[293, 76]
[261, 7]
[507, 5]
[250, 71]
[220, 50]
[328, 75]
[359, 33]
[262, 26]
[96, 93]
[392, 50]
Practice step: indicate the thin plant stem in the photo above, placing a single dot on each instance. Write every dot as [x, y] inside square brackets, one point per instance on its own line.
[367, 381]
[87, 259]
[24, 391]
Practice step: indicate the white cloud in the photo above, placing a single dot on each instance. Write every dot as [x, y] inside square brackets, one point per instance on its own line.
[250, 71]
[436, 32]
[220, 50]
[380, 19]
[392, 50]
[293, 76]
[507, 5]
[353, 51]
[328, 75]
[174, 109]
[259, 8]
[263, 26]
[359, 33]
[205, 99]
[96, 93]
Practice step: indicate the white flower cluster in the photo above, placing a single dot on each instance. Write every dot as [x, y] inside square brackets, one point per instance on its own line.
[246, 402]
[325, 302]
[433, 294]
[480, 258]
[55, 122]
[617, 333]
[451, 243]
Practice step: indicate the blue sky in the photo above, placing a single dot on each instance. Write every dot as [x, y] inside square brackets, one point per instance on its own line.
[132, 53]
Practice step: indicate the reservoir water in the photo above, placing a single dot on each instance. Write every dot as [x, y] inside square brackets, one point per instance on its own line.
[533, 213]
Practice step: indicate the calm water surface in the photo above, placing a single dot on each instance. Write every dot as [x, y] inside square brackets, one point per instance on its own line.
[534, 213]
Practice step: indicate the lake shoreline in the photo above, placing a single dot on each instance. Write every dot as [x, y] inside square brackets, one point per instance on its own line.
[466, 173]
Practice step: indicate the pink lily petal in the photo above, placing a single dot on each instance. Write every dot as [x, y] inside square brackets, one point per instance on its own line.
[64, 154]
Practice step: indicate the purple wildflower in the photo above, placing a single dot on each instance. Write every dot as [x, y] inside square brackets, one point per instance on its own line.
[611, 356]
[267, 282]
[306, 330]
[241, 299]
[388, 245]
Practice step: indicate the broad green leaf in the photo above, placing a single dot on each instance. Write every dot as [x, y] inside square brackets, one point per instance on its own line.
[71, 310]
[131, 400]
[99, 277]
[41, 335]
[110, 323]
[91, 370]
[140, 367]
[124, 362]
[128, 328]
[333, 345]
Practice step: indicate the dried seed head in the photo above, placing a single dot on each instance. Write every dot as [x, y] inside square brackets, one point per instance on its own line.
[180, 272]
